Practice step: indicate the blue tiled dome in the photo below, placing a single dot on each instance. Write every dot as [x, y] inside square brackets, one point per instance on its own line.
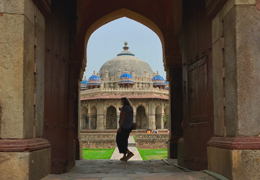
[167, 85]
[126, 78]
[158, 80]
[84, 82]
[94, 80]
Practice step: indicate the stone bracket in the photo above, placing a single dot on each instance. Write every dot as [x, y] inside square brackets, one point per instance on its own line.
[235, 142]
[21, 145]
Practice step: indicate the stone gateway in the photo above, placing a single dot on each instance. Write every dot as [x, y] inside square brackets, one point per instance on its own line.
[210, 55]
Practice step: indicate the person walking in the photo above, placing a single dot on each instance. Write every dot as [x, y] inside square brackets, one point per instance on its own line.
[125, 128]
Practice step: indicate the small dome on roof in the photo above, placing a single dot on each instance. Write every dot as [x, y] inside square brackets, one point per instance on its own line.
[126, 78]
[167, 85]
[158, 80]
[84, 82]
[94, 80]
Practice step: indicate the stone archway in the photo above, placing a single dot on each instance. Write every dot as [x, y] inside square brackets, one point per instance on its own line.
[93, 118]
[141, 118]
[123, 12]
[52, 57]
[84, 123]
[111, 118]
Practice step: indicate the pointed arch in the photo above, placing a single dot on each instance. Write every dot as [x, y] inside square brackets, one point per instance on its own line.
[84, 118]
[119, 14]
[111, 118]
[141, 118]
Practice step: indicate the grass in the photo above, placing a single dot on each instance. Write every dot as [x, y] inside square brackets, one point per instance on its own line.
[148, 154]
[134, 138]
[97, 153]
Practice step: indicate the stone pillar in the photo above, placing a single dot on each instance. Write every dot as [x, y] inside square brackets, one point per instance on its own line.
[134, 115]
[101, 114]
[162, 124]
[176, 110]
[151, 115]
[235, 150]
[22, 49]
[118, 116]
[89, 121]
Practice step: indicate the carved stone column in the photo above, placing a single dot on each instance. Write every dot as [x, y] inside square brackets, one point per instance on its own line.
[151, 115]
[162, 124]
[101, 121]
[235, 150]
[24, 153]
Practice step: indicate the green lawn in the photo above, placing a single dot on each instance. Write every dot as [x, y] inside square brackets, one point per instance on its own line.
[134, 138]
[148, 154]
[97, 153]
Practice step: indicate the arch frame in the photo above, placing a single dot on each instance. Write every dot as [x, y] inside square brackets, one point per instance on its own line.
[120, 13]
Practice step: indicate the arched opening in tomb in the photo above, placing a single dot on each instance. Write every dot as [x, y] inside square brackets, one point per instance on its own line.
[93, 118]
[141, 118]
[111, 118]
[158, 117]
[84, 123]
[166, 118]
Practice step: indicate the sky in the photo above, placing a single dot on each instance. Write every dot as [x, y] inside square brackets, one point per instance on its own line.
[108, 40]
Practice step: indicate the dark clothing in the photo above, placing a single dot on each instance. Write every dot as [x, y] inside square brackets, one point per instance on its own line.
[122, 139]
[128, 123]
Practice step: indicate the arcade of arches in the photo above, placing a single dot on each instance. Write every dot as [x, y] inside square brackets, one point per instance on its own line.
[88, 120]
[210, 54]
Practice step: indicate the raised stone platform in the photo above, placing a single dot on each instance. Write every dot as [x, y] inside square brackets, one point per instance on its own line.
[107, 139]
[151, 141]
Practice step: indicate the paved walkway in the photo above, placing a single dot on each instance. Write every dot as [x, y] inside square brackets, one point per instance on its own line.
[135, 168]
[130, 170]
[131, 146]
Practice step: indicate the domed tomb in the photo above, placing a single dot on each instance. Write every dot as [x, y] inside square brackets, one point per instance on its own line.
[124, 60]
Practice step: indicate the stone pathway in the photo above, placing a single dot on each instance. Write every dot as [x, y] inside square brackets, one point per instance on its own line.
[130, 170]
[135, 168]
[131, 146]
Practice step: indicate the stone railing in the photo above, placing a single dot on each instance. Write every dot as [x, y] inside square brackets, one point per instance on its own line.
[151, 141]
[119, 91]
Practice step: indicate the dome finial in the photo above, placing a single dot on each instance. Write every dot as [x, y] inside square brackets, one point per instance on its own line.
[126, 47]
[94, 72]
[157, 72]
